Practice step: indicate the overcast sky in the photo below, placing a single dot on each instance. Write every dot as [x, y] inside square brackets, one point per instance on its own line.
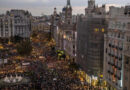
[37, 7]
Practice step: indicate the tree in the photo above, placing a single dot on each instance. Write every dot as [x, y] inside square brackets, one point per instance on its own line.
[16, 39]
[24, 48]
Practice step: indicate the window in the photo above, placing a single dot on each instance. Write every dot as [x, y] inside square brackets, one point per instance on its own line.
[103, 30]
[68, 22]
[119, 35]
[73, 46]
[73, 51]
[15, 21]
[127, 61]
[106, 50]
[96, 29]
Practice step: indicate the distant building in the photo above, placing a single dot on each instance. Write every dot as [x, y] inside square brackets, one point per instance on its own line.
[55, 19]
[64, 30]
[15, 23]
[90, 39]
[41, 23]
[67, 33]
[114, 48]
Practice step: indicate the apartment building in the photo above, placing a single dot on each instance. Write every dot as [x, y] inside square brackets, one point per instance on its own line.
[114, 47]
[126, 76]
[15, 23]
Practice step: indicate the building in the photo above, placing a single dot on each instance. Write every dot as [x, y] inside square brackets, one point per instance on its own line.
[15, 23]
[90, 39]
[126, 77]
[64, 31]
[114, 48]
[55, 19]
[41, 23]
[6, 26]
[67, 33]
[126, 71]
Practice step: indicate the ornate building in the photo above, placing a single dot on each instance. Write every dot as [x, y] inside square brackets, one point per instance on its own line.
[67, 33]
[64, 31]
[68, 13]
[15, 23]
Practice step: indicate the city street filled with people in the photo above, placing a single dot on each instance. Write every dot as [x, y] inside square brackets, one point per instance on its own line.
[42, 68]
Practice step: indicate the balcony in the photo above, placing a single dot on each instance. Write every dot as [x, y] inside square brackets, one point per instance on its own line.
[127, 62]
[109, 54]
[111, 73]
[119, 68]
[110, 63]
[109, 45]
[113, 46]
[115, 76]
[120, 48]
[108, 71]
[112, 55]
[116, 57]
[115, 66]
[120, 58]
[116, 47]
[119, 78]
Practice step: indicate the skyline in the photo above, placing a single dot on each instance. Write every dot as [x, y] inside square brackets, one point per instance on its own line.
[38, 7]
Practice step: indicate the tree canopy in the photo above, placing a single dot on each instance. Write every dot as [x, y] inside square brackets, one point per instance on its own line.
[24, 48]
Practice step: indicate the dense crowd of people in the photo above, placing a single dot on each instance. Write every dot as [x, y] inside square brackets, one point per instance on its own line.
[41, 77]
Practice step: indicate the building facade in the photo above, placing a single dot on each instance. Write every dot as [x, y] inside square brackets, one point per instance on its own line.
[40, 23]
[90, 39]
[64, 31]
[126, 77]
[15, 23]
[114, 47]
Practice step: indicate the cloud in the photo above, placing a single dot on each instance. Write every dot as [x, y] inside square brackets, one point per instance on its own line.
[27, 1]
[45, 1]
[46, 6]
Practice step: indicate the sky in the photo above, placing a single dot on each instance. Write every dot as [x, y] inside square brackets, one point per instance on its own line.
[39, 7]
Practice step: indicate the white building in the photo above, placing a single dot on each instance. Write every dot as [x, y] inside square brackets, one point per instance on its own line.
[15, 23]
[114, 48]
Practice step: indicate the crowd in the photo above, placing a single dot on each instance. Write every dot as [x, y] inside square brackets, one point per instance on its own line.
[56, 80]
[44, 78]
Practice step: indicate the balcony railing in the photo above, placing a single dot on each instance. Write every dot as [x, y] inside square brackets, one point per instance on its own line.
[113, 46]
[115, 66]
[109, 45]
[115, 75]
[120, 58]
[119, 68]
[109, 54]
[120, 48]
[112, 55]
[119, 78]
[116, 57]
[108, 71]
